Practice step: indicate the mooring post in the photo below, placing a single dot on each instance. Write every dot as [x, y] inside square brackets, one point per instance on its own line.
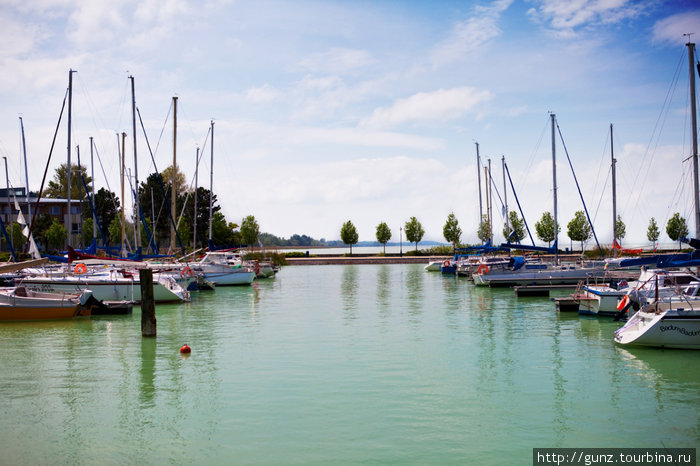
[148, 308]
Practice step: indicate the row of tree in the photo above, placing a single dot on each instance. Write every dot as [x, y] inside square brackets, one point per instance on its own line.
[578, 229]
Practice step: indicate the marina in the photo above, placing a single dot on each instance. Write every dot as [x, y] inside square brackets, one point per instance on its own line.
[382, 363]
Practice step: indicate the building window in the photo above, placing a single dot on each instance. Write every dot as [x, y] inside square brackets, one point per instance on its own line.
[75, 209]
[55, 210]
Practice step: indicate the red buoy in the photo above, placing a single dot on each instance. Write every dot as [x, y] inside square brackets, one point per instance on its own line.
[184, 349]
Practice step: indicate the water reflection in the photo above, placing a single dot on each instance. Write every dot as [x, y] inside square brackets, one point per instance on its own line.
[414, 290]
[148, 372]
[384, 290]
[349, 292]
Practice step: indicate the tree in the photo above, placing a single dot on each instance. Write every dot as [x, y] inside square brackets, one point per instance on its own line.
[41, 227]
[451, 231]
[56, 235]
[107, 207]
[483, 232]
[250, 230]
[514, 230]
[545, 228]
[676, 228]
[114, 231]
[578, 228]
[224, 233]
[383, 234]
[87, 230]
[620, 228]
[653, 232]
[348, 233]
[414, 231]
[180, 180]
[58, 187]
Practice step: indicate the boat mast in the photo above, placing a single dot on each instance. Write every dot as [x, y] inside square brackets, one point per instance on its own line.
[614, 192]
[211, 181]
[478, 177]
[554, 183]
[123, 250]
[196, 183]
[505, 197]
[173, 195]
[490, 202]
[26, 169]
[92, 169]
[694, 132]
[69, 219]
[136, 166]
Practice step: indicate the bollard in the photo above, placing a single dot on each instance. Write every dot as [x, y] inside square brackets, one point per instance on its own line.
[148, 308]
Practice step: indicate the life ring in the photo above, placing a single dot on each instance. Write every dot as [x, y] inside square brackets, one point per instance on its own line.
[446, 263]
[187, 272]
[623, 302]
[483, 269]
[80, 269]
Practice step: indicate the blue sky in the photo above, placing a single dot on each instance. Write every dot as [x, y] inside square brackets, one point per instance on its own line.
[327, 111]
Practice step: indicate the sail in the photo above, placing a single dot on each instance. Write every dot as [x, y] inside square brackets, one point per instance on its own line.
[33, 250]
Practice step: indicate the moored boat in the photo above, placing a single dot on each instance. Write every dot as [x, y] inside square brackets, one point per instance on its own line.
[666, 324]
[19, 303]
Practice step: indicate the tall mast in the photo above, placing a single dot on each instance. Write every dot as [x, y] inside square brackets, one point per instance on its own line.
[478, 177]
[69, 219]
[211, 180]
[505, 196]
[694, 132]
[173, 195]
[26, 169]
[196, 183]
[136, 165]
[490, 201]
[123, 251]
[92, 170]
[554, 184]
[614, 191]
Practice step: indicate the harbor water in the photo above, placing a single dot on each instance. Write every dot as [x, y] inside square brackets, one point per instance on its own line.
[339, 365]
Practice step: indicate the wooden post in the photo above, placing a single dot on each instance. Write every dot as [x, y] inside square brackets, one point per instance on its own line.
[148, 308]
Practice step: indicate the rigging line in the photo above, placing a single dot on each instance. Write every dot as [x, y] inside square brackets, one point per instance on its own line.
[41, 189]
[600, 169]
[189, 191]
[602, 194]
[519, 207]
[656, 135]
[579, 188]
[536, 149]
[91, 105]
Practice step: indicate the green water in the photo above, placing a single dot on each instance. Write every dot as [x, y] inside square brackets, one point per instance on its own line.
[338, 365]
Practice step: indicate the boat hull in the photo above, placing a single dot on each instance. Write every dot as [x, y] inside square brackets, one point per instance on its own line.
[670, 328]
[103, 290]
[10, 313]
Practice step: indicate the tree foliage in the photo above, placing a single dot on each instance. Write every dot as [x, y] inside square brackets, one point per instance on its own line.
[676, 228]
[545, 228]
[58, 187]
[250, 230]
[56, 235]
[451, 230]
[414, 231]
[620, 228]
[514, 230]
[224, 233]
[578, 228]
[653, 231]
[383, 234]
[483, 231]
[348, 233]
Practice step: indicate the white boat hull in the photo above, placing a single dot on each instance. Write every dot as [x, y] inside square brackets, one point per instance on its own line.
[669, 328]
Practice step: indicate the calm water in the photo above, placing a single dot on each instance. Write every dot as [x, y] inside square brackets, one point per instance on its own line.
[338, 364]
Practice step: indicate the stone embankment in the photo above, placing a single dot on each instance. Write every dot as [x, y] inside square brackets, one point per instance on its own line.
[349, 260]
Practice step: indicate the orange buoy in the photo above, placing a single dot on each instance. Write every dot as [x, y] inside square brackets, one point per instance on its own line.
[184, 349]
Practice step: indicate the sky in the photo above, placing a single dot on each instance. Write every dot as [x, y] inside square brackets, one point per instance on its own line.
[368, 111]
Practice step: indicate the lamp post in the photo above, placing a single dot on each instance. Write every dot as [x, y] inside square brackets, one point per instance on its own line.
[400, 242]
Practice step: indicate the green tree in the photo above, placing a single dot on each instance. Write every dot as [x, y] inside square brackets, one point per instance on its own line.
[451, 231]
[545, 228]
[250, 230]
[107, 206]
[348, 233]
[514, 230]
[114, 231]
[620, 229]
[578, 228]
[676, 228]
[483, 232]
[414, 231]
[41, 227]
[16, 236]
[224, 233]
[56, 235]
[58, 187]
[87, 230]
[383, 234]
[653, 232]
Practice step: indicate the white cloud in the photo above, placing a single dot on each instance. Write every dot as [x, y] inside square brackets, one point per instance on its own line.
[469, 35]
[262, 94]
[671, 29]
[337, 60]
[440, 105]
[565, 16]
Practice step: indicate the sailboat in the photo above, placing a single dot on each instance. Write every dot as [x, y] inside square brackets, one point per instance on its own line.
[672, 322]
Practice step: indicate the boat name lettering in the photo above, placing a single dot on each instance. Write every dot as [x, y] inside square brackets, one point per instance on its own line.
[665, 328]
